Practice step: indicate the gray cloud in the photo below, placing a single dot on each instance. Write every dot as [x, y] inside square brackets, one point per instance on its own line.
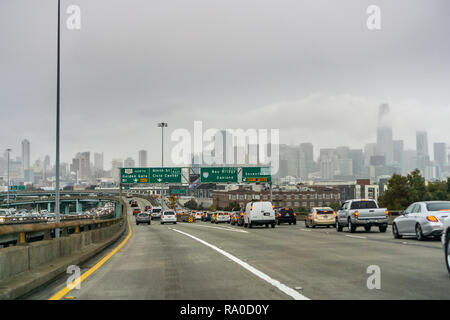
[306, 67]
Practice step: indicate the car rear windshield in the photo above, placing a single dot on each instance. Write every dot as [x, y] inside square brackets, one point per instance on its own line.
[324, 211]
[169, 213]
[363, 205]
[143, 215]
[156, 210]
[438, 206]
[284, 211]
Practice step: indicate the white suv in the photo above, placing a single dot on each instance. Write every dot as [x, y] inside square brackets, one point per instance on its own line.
[169, 216]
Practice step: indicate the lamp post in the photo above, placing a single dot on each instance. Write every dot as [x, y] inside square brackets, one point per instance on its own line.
[57, 195]
[8, 151]
[162, 125]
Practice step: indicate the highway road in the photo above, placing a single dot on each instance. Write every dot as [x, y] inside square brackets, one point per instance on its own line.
[202, 261]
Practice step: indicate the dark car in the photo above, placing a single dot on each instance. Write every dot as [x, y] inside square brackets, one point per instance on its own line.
[207, 216]
[240, 221]
[286, 215]
[234, 218]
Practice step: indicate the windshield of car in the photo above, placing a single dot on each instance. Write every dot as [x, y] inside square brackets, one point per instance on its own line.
[169, 213]
[438, 206]
[156, 210]
[363, 205]
[286, 210]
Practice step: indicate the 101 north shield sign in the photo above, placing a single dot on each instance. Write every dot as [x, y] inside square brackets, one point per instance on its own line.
[219, 175]
[256, 174]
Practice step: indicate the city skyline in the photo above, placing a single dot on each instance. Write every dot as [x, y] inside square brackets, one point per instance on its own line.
[318, 70]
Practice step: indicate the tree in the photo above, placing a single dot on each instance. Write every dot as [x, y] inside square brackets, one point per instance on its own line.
[402, 191]
[397, 196]
[233, 206]
[335, 206]
[417, 188]
[191, 204]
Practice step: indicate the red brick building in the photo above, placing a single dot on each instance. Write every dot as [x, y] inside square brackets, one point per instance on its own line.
[302, 197]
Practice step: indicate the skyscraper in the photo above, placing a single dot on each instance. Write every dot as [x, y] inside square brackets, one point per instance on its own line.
[398, 153]
[129, 163]
[422, 150]
[142, 158]
[440, 153]
[384, 134]
[99, 163]
[26, 160]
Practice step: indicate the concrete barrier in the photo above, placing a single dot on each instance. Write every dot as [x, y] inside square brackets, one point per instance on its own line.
[24, 268]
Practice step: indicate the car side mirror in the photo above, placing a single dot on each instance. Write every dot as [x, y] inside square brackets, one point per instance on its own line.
[402, 213]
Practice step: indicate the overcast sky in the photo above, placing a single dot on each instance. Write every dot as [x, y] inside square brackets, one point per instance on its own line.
[310, 68]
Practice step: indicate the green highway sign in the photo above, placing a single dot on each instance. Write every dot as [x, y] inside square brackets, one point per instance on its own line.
[134, 175]
[178, 191]
[219, 175]
[256, 174]
[16, 188]
[165, 175]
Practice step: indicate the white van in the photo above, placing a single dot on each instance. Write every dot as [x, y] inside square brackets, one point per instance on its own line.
[259, 213]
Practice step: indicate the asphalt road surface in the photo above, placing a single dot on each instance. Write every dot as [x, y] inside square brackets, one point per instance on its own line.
[202, 261]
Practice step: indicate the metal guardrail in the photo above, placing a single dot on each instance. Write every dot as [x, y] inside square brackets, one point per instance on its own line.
[21, 233]
[45, 231]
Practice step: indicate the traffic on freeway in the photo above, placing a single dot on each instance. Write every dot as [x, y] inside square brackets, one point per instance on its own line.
[203, 261]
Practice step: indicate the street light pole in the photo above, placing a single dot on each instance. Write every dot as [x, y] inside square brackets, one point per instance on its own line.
[8, 150]
[57, 195]
[162, 125]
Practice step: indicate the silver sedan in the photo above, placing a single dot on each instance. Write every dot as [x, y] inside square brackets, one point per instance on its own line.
[422, 219]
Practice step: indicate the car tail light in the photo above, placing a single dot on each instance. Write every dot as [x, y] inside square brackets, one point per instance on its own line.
[356, 214]
[242, 214]
[387, 212]
[309, 217]
[162, 217]
[295, 214]
[432, 219]
[334, 213]
[279, 214]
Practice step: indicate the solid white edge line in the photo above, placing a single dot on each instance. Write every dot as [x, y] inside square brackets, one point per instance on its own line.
[283, 288]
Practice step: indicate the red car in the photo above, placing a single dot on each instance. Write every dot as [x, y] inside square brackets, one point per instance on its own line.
[136, 211]
[148, 208]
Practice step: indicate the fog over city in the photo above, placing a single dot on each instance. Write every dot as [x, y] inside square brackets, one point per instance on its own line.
[304, 67]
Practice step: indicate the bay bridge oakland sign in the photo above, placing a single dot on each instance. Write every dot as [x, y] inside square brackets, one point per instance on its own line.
[207, 175]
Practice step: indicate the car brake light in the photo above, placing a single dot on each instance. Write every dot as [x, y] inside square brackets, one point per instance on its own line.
[432, 218]
[356, 214]
[387, 212]
[279, 214]
[334, 213]
[295, 214]
[163, 217]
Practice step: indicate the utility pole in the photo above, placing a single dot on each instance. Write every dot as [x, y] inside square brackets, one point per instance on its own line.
[162, 125]
[57, 195]
[8, 187]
